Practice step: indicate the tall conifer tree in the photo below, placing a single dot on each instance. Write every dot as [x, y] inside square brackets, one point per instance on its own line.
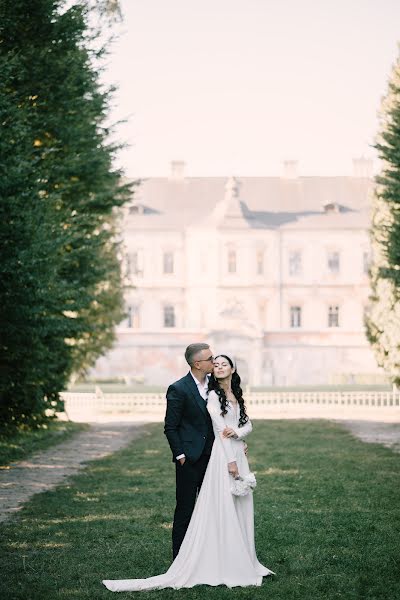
[61, 290]
[383, 315]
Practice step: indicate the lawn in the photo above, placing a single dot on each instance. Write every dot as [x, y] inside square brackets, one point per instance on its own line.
[327, 521]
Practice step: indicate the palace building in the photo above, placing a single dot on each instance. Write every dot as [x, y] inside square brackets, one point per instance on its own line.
[271, 269]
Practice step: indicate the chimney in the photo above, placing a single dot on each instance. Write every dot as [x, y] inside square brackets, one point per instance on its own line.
[231, 189]
[290, 169]
[362, 167]
[177, 172]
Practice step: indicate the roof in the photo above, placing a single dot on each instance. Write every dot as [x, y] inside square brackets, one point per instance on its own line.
[251, 202]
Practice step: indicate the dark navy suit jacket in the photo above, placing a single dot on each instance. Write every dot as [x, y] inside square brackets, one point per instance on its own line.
[187, 422]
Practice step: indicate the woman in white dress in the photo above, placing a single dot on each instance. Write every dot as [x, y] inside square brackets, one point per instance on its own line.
[218, 548]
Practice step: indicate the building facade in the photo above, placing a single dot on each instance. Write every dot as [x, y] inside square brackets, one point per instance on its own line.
[273, 270]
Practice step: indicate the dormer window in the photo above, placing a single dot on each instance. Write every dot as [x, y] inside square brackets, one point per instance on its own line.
[331, 207]
[136, 209]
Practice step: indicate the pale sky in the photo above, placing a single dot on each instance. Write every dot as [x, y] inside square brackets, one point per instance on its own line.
[234, 87]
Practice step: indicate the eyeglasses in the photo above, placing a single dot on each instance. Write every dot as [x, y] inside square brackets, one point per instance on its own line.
[206, 359]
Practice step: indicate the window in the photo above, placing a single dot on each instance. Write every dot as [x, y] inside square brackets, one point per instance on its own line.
[133, 317]
[168, 262]
[333, 316]
[295, 262]
[203, 262]
[262, 312]
[135, 263]
[331, 207]
[169, 315]
[136, 209]
[260, 261]
[366, 262]
[333, 261]
[366, 312]
[295, 316]
[231, 261]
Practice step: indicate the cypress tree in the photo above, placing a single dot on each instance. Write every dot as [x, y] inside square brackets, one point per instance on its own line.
[61, 290]
[383, 314]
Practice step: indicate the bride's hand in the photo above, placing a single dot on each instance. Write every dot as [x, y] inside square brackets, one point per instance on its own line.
[229, 432]
[233, 470]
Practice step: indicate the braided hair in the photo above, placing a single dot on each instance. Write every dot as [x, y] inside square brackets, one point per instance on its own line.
[213, 384]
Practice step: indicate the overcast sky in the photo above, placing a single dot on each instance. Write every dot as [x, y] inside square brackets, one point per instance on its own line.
[234, 87]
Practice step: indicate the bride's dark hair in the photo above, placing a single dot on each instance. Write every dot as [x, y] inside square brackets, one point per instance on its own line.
[213, 384]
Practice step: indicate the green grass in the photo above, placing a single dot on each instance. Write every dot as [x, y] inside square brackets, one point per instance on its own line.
[326, 510]
[21, 444]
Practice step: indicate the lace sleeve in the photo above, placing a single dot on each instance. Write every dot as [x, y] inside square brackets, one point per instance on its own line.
[241, 432]
[214, 408]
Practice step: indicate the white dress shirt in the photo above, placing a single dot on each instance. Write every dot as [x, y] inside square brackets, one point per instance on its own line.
[202, 387]
[203, 391]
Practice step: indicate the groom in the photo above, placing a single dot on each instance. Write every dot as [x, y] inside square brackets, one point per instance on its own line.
[190, 435]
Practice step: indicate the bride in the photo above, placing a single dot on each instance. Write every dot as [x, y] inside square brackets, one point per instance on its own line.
[218, 547]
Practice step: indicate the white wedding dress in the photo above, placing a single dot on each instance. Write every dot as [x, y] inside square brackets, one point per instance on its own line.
[218, 547]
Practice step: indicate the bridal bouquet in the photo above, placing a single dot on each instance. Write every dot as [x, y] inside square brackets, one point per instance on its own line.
[243, 485]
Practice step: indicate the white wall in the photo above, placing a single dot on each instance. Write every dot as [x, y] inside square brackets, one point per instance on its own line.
[245, 311]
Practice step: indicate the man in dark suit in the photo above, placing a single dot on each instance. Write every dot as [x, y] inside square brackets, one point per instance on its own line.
[190, 435]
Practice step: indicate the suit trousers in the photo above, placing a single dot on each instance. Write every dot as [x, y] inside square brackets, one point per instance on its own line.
[189, 478]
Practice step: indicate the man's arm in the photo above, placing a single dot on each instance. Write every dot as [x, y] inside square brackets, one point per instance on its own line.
[172, 421]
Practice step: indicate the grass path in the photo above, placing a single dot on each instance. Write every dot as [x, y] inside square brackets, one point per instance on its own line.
[327, 521]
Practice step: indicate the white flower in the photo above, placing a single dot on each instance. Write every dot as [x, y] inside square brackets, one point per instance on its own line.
[243, 485]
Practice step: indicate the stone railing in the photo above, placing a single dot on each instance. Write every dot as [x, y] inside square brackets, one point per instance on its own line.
[123, 403]
[363, 398]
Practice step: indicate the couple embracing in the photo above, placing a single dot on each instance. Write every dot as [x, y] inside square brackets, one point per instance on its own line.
[213, 530]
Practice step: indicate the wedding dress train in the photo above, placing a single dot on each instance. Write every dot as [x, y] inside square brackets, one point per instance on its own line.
[218, 547]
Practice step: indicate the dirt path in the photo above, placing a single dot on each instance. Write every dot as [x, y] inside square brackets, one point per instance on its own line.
[373, 432]
[47, 469]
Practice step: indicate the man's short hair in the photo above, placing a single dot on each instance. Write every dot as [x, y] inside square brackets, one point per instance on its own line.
[192, 350]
